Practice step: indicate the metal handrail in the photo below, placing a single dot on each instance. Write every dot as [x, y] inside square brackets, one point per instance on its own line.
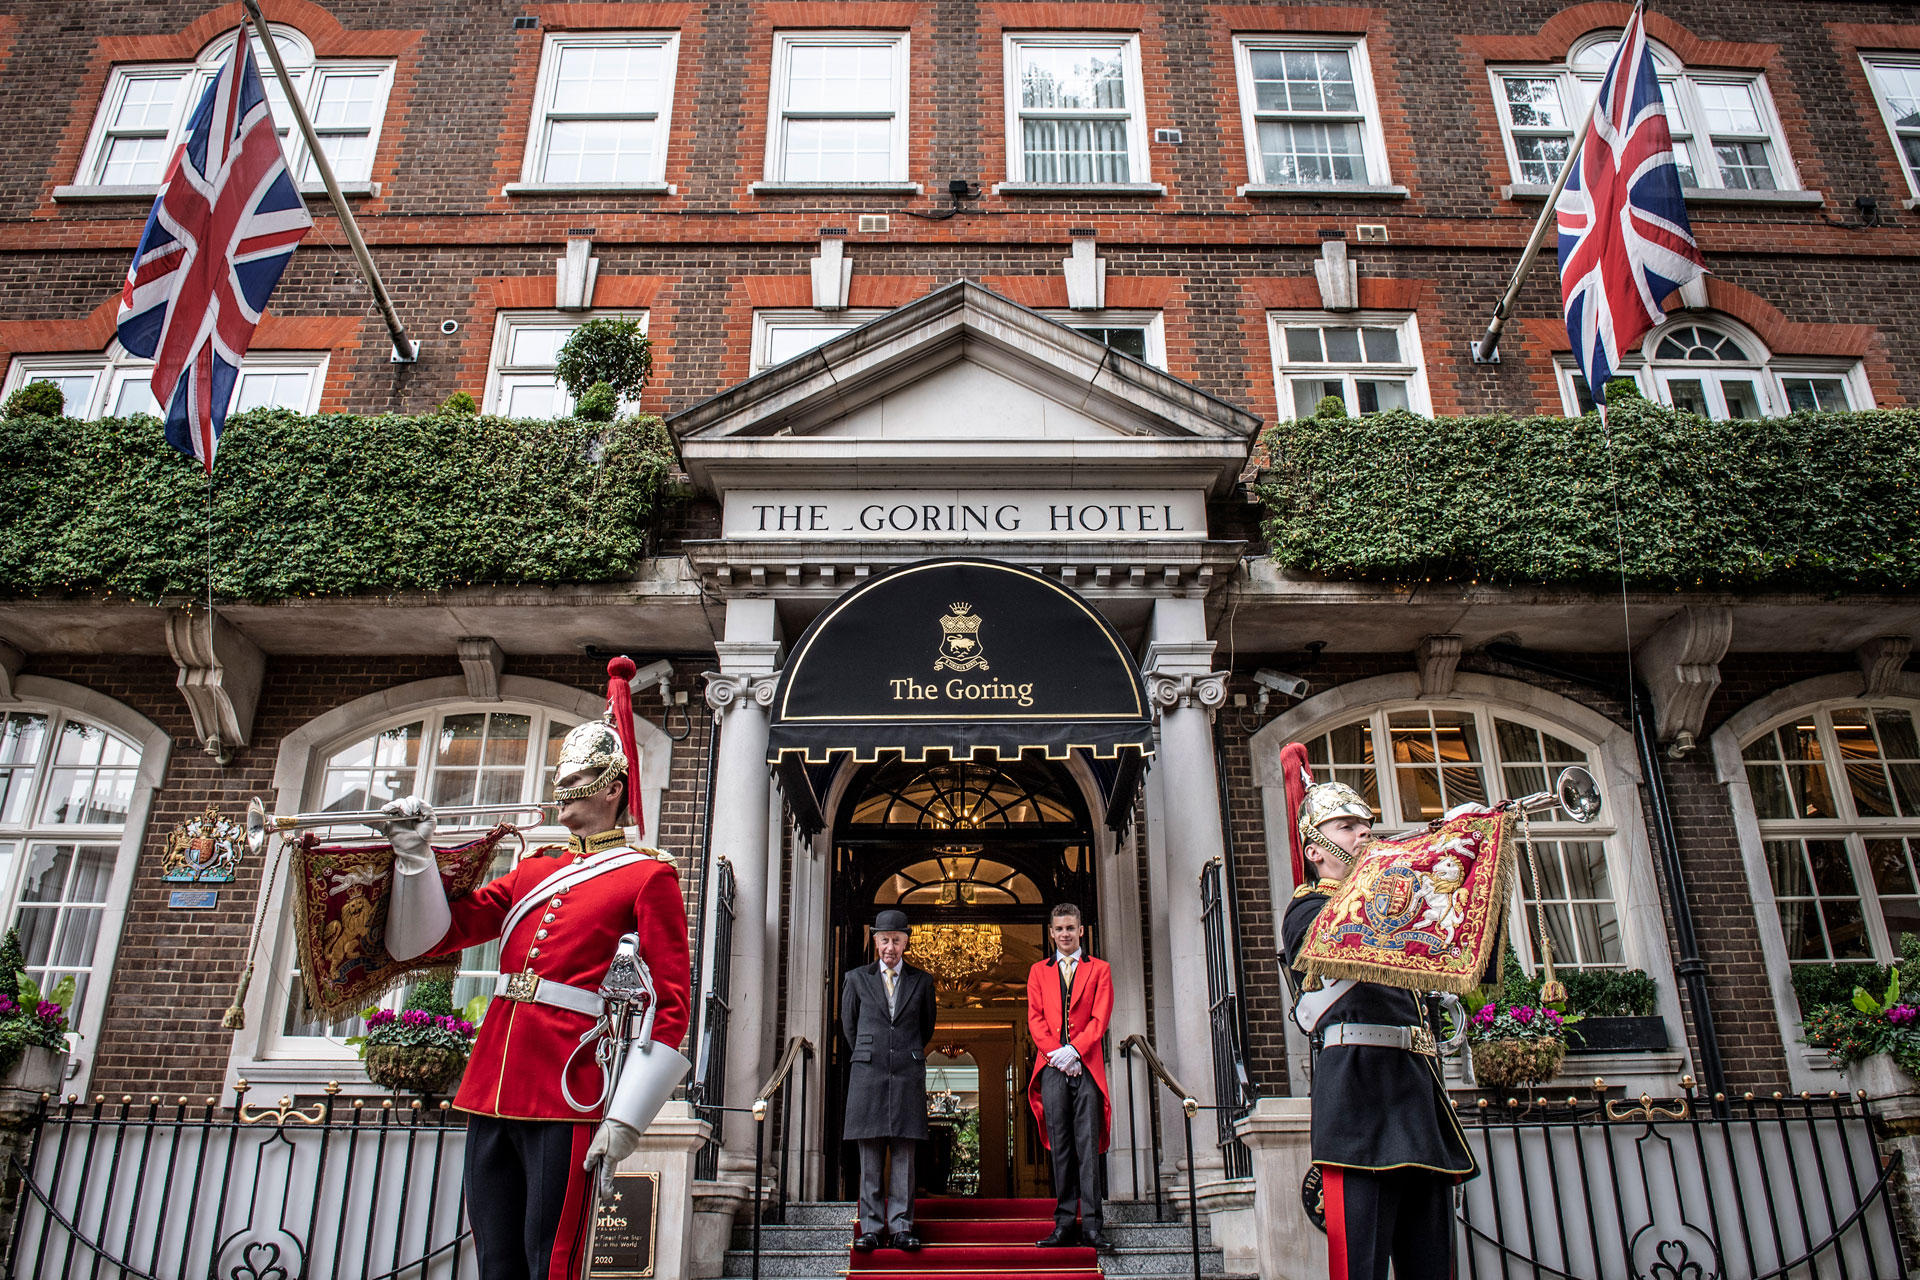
[1189, 1108]
[799, 1050]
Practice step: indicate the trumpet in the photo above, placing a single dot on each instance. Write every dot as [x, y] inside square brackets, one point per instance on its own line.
[1574, 790]
[261, 825]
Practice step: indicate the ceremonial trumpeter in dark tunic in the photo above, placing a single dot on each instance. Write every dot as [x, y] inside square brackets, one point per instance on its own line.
[1383, 1132]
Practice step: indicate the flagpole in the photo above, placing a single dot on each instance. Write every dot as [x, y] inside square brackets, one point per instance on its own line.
[405, 350]
[1487, 350]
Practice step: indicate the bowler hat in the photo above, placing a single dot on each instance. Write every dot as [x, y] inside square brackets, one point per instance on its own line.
[891, 921]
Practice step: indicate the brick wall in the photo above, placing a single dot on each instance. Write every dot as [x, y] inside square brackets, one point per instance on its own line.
[458, 118]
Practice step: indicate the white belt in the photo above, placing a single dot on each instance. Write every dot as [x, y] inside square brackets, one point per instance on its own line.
[531, 988]
[1375, 1036]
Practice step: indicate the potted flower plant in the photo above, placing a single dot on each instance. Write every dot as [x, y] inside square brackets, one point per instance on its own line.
[1874, 1040]
[1516, 1045]
[33, 1026]
[423, 1048]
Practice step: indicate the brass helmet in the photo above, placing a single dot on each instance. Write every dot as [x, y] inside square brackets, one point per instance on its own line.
[1324, 802]
[593, 745]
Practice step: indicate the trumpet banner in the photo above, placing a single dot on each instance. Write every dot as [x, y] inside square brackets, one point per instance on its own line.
[1421, 912]
[340, 898]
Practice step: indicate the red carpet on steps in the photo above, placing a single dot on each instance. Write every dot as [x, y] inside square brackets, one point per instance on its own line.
[982, 1239]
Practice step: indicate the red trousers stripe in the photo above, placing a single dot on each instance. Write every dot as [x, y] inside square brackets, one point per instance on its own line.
[569, 1242]
[1333, 1190]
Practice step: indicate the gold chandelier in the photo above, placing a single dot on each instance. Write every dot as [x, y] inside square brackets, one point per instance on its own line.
[953, 953]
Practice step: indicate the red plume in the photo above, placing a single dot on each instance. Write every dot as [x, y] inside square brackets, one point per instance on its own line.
[1297, 775]
[620, 672]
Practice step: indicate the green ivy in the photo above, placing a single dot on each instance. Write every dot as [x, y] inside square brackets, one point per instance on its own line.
[326, 505]
[1825, 501]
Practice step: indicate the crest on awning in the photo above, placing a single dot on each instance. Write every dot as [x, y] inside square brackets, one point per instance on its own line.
[960, 656]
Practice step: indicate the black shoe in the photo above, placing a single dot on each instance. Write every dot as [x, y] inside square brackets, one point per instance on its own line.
[1098, 1240]
[1062, 1238]
[867, 1242]
[905, 1240]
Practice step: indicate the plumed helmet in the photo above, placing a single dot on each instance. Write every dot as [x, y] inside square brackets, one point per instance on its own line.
[1326, 801]
[591, 746]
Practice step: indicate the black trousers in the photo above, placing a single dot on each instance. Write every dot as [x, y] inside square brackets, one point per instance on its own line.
[519, 1175]
[1402, 1216]
[1074, 1108]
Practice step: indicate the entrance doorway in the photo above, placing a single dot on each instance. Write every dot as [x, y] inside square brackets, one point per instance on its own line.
[976, 854]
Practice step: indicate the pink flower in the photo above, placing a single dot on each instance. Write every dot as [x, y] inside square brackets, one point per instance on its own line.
[381, 1018]
[1902, 1014]
[8, 1006]
[1553, 1017]
[48, 1011]
[1523, 1013]
[1487, 1014]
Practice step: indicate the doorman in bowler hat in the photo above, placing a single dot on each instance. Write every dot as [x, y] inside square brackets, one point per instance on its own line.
[887, 1013]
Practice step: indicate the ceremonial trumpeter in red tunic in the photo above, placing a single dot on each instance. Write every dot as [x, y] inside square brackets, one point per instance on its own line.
[546, 1115]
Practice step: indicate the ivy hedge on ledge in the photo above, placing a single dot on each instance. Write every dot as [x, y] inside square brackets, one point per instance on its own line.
[327, 505]
[1814, 501]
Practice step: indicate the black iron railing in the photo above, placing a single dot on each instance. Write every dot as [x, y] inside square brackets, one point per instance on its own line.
[1772, 1188]
[709, 1093]
[176, 1191]
[1232, 1092]
[1157, 1073]
[775, 1099]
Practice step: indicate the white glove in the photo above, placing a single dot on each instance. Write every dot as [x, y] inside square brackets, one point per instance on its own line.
[613, 1142]
[1064, 1057]
[412, 826]
[1462, 810]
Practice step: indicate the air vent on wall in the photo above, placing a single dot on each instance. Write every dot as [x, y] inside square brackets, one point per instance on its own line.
[874, 222]
[1169, 136]
[527, 22]
[1372, 232]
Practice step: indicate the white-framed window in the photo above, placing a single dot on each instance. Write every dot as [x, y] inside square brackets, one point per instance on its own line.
[779, 336]
[1413, 762]
[114, 384]
[1726, 135]
[458, 755]
[1075, 110]
[603, 109]
[66, 787]
[1370, 360]
[144, 112]
[1140, 334]
[1836, 793]
[521, 382]
[1896, 87]
[1717, 369]
[1308, 112]
[839, 107]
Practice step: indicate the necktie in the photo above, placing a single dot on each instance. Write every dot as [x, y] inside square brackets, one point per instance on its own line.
[888, 975]
[1067, 967]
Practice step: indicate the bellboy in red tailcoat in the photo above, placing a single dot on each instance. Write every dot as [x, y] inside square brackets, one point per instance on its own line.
[1069, 1004]
[545, 1115]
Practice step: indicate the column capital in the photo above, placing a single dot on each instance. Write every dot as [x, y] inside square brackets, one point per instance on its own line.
[1171, 690]
[727, 690]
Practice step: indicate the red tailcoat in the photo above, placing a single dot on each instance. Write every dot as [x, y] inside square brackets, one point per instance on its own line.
[515, 1069]
[1086, 1027]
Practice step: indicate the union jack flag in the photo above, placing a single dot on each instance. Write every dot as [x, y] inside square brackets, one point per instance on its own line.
[226, 221]
[1625, 242]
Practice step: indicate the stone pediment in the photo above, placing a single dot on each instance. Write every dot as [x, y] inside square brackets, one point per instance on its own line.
[967, 381]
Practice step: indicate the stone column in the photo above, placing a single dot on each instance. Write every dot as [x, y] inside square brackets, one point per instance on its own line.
[741, 796]
[1185, 690]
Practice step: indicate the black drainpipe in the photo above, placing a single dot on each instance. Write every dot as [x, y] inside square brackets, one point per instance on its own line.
[1689, 967]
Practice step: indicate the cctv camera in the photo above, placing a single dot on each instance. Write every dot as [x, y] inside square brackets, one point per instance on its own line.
[659, 672]
[1280, 682]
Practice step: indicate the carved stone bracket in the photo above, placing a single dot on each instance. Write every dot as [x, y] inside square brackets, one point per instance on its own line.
[220, 672]
[1681, 665]
[11, 660]
[1171, 690]
[726, 690]
[832, 275]
[1338, 277]
[1439, 658]
[481, 660]
[574, 276]
[1881, 660]
[1086, 273]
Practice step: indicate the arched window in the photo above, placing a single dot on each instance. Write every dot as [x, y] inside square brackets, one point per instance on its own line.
[66, 789]
[1726, 137]
[1711, 366]
[144, 113]
[1414, 762]
[456, 755]
[1836, 794]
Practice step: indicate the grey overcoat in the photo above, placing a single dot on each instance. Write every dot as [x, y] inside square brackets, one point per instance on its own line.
[887, 1085]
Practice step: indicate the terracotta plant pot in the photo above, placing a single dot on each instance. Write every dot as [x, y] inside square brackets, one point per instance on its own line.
[415, 1068]
[1512, 1064]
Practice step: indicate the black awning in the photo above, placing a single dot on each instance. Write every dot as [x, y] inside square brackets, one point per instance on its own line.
[960, 656]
